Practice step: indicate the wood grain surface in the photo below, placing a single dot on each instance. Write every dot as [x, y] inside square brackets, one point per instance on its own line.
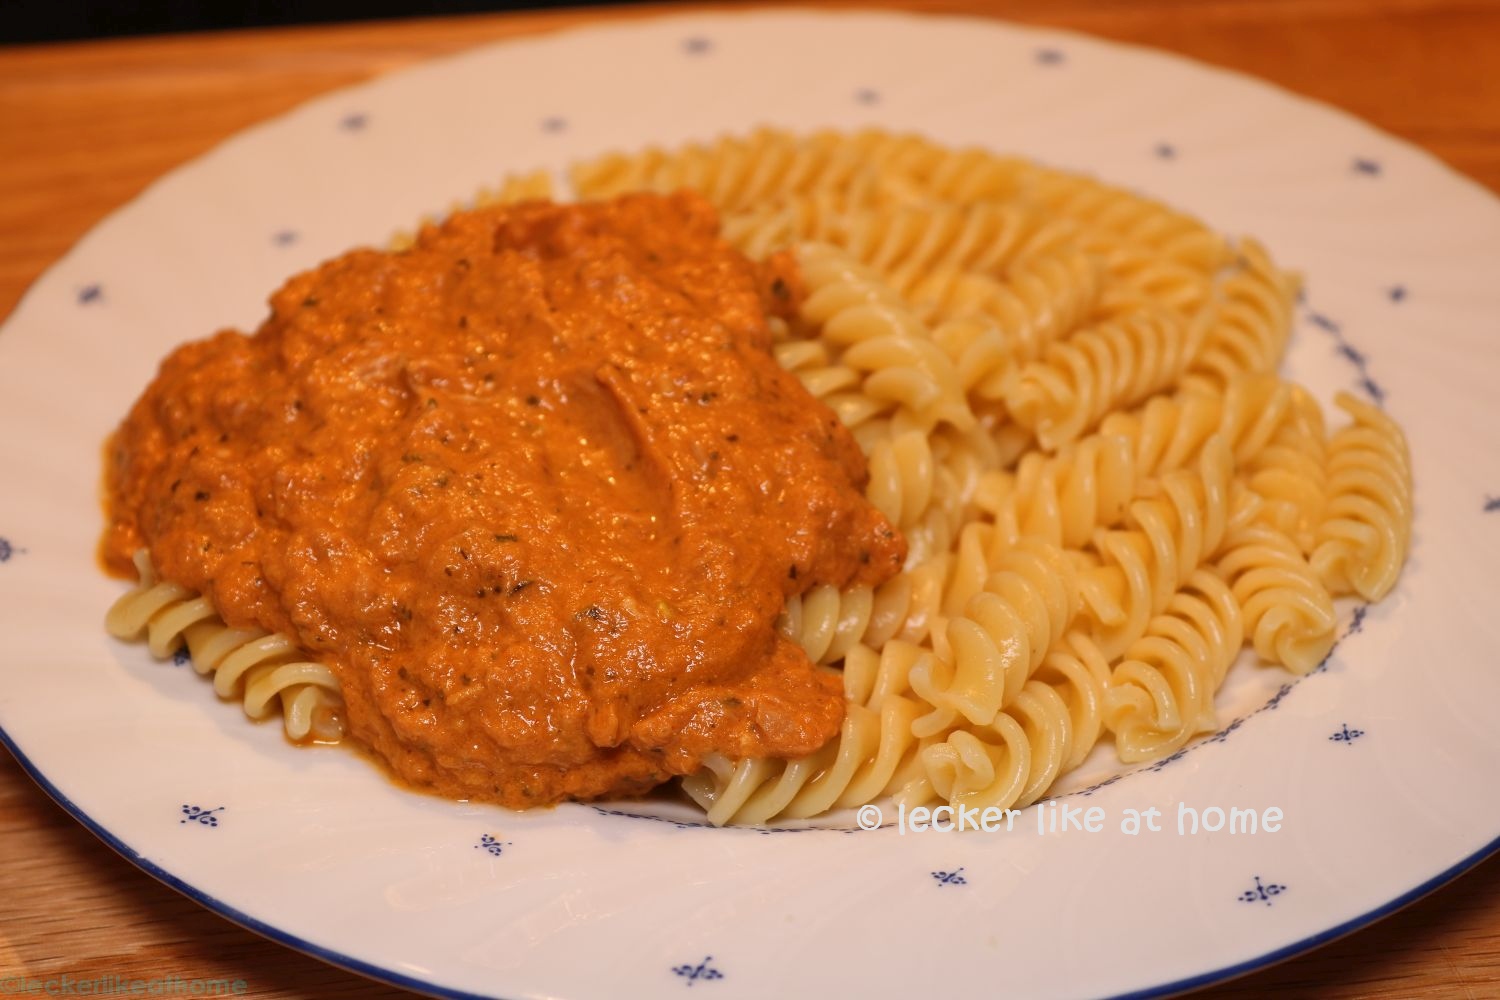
[85, 127]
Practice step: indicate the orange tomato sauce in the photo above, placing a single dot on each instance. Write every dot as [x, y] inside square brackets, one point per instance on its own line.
[535, 489]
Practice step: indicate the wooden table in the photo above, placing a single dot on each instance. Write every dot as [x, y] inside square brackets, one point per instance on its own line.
[84, 127]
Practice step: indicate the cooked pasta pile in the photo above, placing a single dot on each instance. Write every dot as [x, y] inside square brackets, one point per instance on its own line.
[1067, 397]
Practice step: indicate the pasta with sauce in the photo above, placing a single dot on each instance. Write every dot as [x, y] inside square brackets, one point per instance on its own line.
[1098, 447]
[1066, 402]
[264, 672]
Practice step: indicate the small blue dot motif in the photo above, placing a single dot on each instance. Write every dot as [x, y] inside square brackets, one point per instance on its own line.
[1166, 151]
[1281, 693]
[1358, 623]
[7, 550]
[955, 877]
[1491, 504]
[492, 845]
[284, 237]
[354, 122]
[89, 294]
[704, 970]
[1261, 893]
[867, 95]
[1352, 353]
[1226, 732]
[554, 124]
[1346, 735]
[697, 45]
[1322, 322]
[1396, 293]
[1367, 167]
[1103, 784]
[1167, 761]
[182, 657]
[201, 816]
[1050, 57]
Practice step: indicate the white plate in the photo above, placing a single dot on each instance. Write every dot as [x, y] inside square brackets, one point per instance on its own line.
[1378, 762]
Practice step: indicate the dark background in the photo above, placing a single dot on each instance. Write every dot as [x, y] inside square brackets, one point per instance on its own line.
[58, 20]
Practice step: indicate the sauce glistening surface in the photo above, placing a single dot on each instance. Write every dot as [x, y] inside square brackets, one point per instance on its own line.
[535, 489]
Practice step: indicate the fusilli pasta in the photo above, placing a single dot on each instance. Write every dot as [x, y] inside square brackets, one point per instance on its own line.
[261, 670]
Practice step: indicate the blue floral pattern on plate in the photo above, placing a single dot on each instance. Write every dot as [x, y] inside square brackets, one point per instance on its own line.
[704, 971]
[200, 815]
[955, 877]
[1350, 353]
[491, 845]
[1262, 893]
[1347, 736]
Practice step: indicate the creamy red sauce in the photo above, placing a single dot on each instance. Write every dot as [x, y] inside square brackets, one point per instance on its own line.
[534, 489]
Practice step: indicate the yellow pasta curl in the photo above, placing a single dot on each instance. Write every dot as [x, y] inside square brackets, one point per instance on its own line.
[262, 670]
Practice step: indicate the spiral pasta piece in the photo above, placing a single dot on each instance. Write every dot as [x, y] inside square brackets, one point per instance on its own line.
[736, 174]
[1247, 324]
[874, 754]
[972, 175]
[1048, 729]
[1290, 473]
[1169, 431]
[1288, 611]
[1112, 215]
[1117, 363]
[901, 244]
[1065, 498]
[1043, 299]
[1161, 693]
[1005, 614]
[1167, 538]
[896, 363]
[1078, 671]
[261, 670]
[997, 765]
[827, 622]
[1135, 277]
[1361, 542]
